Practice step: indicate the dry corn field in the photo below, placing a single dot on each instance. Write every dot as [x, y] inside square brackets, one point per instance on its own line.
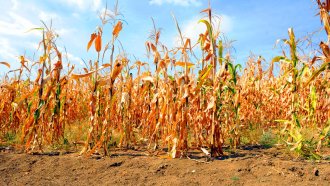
[168, 108]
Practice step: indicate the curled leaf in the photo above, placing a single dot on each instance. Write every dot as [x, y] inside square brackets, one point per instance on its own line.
[116, 71]
[6, 64]
[78, 76]
[93, 36]
[117, 29]
[208, 26]
[98, 43]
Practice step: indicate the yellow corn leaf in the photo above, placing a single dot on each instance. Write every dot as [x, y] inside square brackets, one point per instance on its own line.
[278, 59]
[208, 26]
[183, 64]
[318, 72]
[173, 153]
[205, 72]
[202, 76]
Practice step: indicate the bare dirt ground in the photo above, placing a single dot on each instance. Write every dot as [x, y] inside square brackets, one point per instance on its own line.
[247, 166]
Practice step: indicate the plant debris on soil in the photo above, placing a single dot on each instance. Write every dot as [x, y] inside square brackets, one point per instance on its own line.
[246, 166]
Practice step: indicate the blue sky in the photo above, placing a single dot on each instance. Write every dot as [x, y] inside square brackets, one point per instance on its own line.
[255, 25]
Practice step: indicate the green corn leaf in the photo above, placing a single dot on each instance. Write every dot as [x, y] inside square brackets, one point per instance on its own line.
[323, 67]
[313, 97]
[220, 52]
[209, 28]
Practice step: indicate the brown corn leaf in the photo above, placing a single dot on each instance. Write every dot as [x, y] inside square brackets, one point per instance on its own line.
[187, 43]
[153, 47]
[139, 63]
[85, 69]
[6, 64]
[206, 10]
[148, 46]
[157, 36]
[106, 65]
[208, 57]
[207, 46]
[116, 71]
[117, 29]
[211, 104]
[93, 36]
[78, 76]
[98, 42]
[325, 49]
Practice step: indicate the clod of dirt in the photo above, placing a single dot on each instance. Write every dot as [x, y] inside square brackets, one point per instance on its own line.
[299, 171]
[4, 149]
[46, 153]
[33, 162]
[161, 168]
[72, 169]
[244, 170]
[293, 169]
[97, 157]
[116, 164]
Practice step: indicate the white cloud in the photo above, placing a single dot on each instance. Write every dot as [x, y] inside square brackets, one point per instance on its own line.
[47, 16]
[74, 59]
[15, 25]
[33, 45]
[8, 54]
[191, 29]
[6, 50]
[65, 32]
[83, 5]
[14, 4]
[176, 2]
